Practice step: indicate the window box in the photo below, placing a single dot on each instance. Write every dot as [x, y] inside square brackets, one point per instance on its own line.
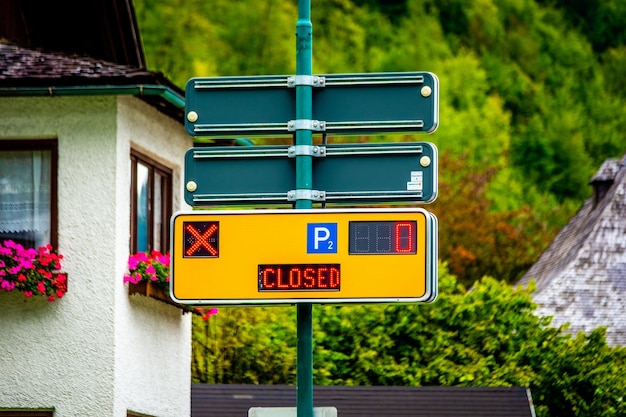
[153, 290]
[149, 275]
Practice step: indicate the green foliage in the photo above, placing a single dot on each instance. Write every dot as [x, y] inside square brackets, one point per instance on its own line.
[522, 82]
[245, 346]
[488, 336]
[601, 21]
[185, 39]
[462, 339]
[581, 376]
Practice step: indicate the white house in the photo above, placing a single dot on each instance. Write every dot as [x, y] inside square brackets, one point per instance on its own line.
[91, 160]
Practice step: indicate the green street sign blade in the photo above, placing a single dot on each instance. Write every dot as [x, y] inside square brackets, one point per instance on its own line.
[345, 174]
[343, 104]
[226, 175]
[378, 173]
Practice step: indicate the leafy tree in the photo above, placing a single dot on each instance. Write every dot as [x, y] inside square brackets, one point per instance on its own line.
[245, 345]
[581, 376]
[488, 336]
[601, 21]
[476, 240]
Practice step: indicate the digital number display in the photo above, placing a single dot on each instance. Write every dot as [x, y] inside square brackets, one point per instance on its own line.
[382, 237]
[299, 277]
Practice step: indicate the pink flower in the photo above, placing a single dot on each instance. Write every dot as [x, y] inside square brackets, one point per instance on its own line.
[13, 245]
[207, 312]
[150, 270]
[23, 269]
[26, 264]
[7, 285]
[132, 263]
[163, 259]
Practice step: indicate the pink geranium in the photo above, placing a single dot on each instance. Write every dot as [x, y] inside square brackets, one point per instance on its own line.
[152, 266]
[31, 271]
[155, 267]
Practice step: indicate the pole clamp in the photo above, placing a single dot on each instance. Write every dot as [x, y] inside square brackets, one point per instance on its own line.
[306, 80]
[304, 124]
[306, 150]
[302, 194]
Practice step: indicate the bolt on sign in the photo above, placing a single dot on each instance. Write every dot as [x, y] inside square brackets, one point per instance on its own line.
[243, 257]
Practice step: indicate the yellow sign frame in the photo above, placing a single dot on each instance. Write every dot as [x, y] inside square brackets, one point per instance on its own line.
[246, 239]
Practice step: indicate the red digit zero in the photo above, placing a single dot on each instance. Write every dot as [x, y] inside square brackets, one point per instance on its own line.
[299, 277]
[382, 237]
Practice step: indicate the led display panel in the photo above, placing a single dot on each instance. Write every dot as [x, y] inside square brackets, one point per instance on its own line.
[224, 257]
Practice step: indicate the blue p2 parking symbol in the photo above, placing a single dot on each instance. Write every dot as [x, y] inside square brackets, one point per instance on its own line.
[321, 238]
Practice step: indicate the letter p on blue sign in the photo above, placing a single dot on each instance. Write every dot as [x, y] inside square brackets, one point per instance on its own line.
[321, 238]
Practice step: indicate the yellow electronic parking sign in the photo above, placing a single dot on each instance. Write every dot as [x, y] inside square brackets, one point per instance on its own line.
[290, 256]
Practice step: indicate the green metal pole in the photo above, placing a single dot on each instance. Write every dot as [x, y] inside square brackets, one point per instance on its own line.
[304, 179]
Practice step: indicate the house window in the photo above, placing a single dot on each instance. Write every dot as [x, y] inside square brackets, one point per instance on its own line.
[28, 192]
[151, 204]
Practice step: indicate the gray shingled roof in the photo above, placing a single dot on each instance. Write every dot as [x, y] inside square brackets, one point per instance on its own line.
[209, 400]
[21, 66]
[581, 277]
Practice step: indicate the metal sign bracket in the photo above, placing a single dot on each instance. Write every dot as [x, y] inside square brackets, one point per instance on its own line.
[305, 124]
[306, 150]
[305, 194]
[310, 80]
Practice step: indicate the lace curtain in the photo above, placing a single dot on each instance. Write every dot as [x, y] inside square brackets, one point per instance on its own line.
[25, 197]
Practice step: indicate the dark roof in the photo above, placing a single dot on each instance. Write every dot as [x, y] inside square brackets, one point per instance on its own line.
[106, 30]
[42, 45]
[581, 276]
[209, 400]
[22, 67]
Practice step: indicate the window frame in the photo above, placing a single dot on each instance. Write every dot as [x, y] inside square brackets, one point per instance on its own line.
[154, 167]
[27, 413]
[42, 145]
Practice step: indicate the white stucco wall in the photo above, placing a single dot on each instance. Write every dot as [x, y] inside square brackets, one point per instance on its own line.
[96, 352]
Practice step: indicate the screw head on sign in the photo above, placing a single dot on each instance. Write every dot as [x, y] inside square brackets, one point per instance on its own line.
[426, 91]
[425, 161]
[191, 186]
[192, 116]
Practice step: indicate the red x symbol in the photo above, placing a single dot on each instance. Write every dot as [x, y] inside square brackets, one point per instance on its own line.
[201, 239]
